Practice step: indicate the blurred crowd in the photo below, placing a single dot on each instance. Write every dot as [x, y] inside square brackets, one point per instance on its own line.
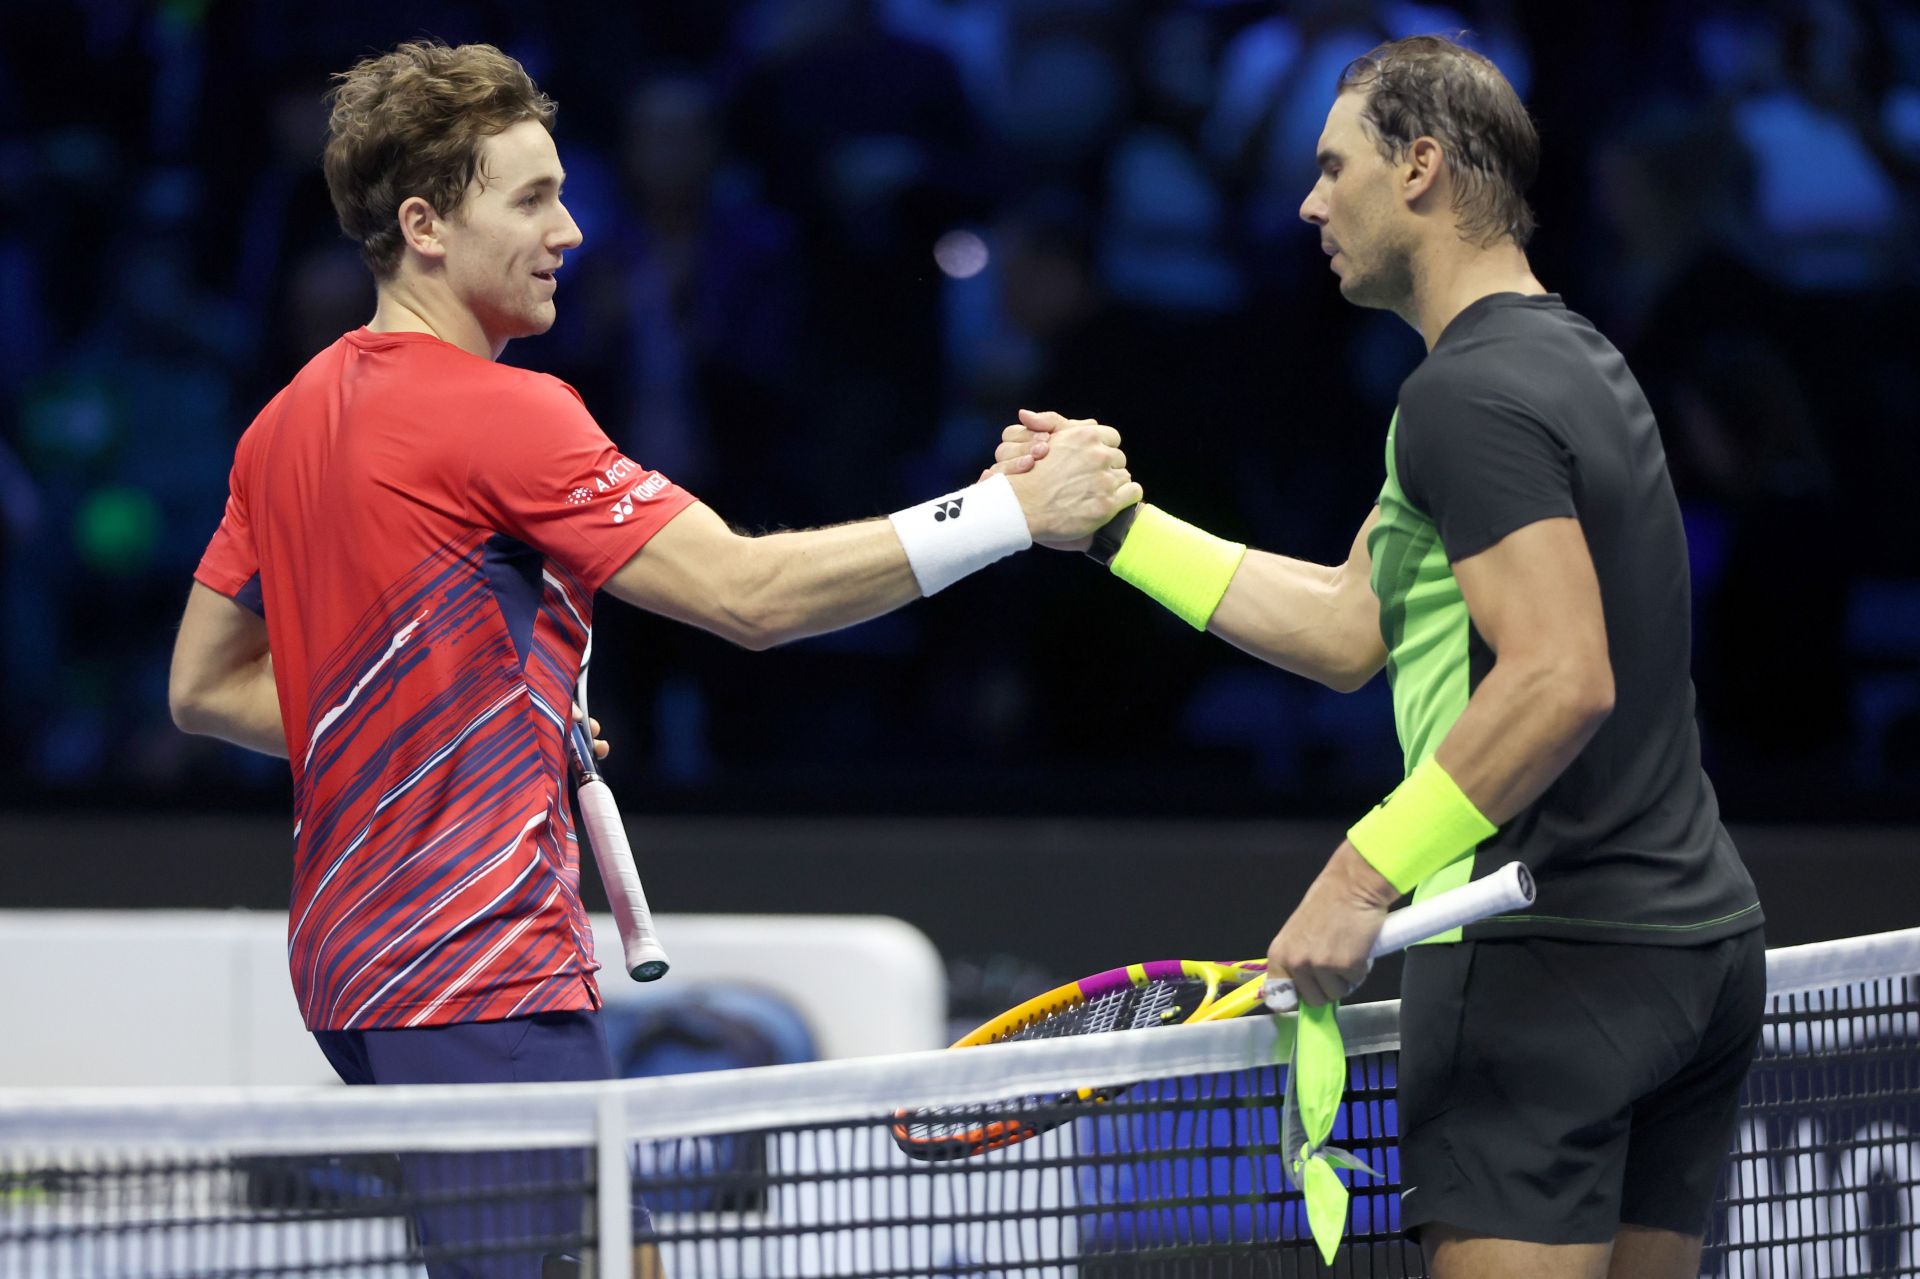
[832, 245]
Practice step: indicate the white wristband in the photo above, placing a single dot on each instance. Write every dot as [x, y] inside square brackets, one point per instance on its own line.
[951, 536]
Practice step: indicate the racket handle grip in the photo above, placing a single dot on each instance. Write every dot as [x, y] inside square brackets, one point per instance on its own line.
[646, 959]
[1508, 888]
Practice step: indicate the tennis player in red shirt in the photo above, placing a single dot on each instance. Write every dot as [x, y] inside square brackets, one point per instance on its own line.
[399, 594]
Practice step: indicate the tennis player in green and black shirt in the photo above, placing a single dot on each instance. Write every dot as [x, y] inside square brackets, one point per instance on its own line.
[1568, 1077]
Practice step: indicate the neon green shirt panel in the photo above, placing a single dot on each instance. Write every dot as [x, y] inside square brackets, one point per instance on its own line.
[1424, 625]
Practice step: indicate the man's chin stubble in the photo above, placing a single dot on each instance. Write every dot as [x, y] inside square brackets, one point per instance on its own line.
[1390, 289]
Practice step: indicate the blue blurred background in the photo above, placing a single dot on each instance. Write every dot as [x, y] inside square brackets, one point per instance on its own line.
[831, 245]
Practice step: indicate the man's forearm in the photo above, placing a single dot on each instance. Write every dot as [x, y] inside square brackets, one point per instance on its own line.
[762, 591]
[1519, 731]
[243, 709]
[1315, 620]
[1310, 619]
[793, 585]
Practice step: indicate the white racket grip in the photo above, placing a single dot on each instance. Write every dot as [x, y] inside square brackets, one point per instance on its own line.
[646, 958]
[1508, 888]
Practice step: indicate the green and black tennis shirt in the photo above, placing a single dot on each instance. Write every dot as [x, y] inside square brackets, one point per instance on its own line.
[1524, 412]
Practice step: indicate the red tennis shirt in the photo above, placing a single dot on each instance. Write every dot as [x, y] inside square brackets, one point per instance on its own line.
[424, 531]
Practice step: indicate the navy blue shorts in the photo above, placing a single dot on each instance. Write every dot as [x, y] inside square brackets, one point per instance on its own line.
[511, 1214]
[544, 1048]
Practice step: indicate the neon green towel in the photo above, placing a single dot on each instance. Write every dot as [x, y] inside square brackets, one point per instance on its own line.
[1316, 1081]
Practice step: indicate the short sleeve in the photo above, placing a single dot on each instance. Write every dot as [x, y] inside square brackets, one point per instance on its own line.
[231, 562]
[1478, 462]
[547, 475]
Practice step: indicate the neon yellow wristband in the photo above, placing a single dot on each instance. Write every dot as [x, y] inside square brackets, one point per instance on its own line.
[1185, 568]
[1426, 823]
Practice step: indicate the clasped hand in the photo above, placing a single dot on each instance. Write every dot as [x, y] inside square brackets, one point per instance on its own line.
[1069, 475]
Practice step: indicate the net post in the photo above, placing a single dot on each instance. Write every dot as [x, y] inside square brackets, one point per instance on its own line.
[613, 1225]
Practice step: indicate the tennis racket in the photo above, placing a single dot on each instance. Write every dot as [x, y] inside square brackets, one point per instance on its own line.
[646, 958]
[1167, 992]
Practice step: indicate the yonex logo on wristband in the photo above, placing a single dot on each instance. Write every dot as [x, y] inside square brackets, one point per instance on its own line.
[942, 550]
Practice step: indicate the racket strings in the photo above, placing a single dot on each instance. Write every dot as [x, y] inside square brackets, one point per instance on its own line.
[1156, 1003]
[956, 1132]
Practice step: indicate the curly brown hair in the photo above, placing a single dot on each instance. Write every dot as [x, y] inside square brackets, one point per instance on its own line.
[411, 122]
[1433, 87]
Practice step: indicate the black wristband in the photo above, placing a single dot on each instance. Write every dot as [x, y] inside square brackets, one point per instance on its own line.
[1108, 537]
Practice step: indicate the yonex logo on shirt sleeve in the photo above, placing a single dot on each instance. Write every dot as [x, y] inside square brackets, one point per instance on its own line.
[646, 489]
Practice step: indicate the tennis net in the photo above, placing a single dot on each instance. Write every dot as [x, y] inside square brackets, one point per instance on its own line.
[797, 1171]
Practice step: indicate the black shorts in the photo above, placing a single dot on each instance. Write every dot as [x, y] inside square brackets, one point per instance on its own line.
[1551, 1091]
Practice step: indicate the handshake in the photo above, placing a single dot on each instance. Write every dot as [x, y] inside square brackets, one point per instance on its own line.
[1069, 474]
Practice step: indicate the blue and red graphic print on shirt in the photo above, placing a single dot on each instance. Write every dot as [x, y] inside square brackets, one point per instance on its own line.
[424, 531]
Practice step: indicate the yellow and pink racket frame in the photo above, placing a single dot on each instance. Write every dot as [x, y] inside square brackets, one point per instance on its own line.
[1239, 981]
[1232, 990]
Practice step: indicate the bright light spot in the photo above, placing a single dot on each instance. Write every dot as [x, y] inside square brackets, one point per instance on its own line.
[961, 254]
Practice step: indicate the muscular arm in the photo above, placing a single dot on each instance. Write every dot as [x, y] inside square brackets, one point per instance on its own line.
[1534, 598]
[762, 591]
[1315, 620]
[1318, 621]
[221, 684]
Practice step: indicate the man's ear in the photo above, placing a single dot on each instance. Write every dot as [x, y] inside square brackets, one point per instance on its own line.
[1422, 170]
[421, 227]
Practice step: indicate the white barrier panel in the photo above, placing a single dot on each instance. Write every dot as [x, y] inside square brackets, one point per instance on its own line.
[867, 984]
[203, 997]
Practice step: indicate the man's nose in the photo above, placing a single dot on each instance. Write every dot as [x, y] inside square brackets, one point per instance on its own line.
[571, 237]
